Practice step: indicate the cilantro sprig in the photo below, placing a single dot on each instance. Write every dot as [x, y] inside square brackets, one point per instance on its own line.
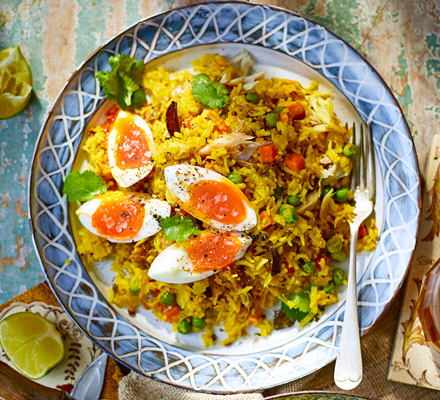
[179, 228]
[123, 83]
[209, 93]
[83, 186]
[296, 306]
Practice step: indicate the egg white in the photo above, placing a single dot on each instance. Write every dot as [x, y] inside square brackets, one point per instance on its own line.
[181, 177]
[154, 209]
[129, 176]
[173, 265]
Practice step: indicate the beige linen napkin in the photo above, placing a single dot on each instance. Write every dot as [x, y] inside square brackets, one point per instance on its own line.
[376, 350]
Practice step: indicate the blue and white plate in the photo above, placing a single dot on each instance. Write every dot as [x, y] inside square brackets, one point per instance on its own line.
[285, 45]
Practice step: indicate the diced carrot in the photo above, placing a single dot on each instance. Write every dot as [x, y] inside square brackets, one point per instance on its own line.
[295, 162]
[172, 313]
[296, 111]
[253, 318]
[268, 153]
[362, 231]
[265, 220]
[188, 121]
[212, 112]
[222, 127]
[284, 116]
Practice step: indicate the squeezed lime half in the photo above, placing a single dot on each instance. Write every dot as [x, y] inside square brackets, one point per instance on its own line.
[15, 82]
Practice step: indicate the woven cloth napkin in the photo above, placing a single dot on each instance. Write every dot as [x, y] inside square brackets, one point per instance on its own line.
[376, 350]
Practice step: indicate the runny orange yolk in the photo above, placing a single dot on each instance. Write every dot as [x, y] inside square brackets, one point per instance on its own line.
[209, 251]
[118, 217]
[132, 145]
[218, 201]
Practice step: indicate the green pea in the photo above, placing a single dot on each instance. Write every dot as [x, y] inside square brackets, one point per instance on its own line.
[326, 190]
[349, 150]
[277, 192]
[184, 327]
[329, 288]
[309, 267]
[135, 286]
[278, 109]
[294, 200]
[235, 177]
[340, 277]
[339, 256]
[253, 98]
[334, 244]
[341, 195]
[168, 299]
[198, 323]
[288, 213]
[272, 119]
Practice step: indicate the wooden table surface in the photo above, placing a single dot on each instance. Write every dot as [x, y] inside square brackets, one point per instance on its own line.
[400, 38]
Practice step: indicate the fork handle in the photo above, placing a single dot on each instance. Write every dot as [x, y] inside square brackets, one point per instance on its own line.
[348, 368]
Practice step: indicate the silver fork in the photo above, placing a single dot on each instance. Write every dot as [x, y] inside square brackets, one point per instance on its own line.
[348, 368]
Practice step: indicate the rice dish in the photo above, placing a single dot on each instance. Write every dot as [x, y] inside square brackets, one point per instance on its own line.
[285, 150]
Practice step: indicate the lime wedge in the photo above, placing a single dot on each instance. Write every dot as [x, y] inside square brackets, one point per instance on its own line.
[15, 82]
[32, 343]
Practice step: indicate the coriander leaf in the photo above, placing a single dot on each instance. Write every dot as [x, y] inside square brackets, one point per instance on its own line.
[209, 93]
[82, 187]
[293, 313]
[179, 228]
[296, 306]
[124, 82]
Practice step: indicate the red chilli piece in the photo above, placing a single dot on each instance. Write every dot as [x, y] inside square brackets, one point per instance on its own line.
[362, 231]
[318, 261]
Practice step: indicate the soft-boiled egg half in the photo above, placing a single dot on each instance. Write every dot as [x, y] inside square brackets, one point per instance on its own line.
[210, 197]
[130, 148]
[200, 257]
[123, 217]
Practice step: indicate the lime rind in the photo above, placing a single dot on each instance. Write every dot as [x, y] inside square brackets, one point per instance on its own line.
[32, 343]
[15, 82]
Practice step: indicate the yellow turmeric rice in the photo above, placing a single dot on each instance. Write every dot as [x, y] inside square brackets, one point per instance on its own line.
[286, 150]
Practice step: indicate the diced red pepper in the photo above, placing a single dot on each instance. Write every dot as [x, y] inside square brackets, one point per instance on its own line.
[296, 111]
[362, 231]
[268, 153]
[295, 162]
